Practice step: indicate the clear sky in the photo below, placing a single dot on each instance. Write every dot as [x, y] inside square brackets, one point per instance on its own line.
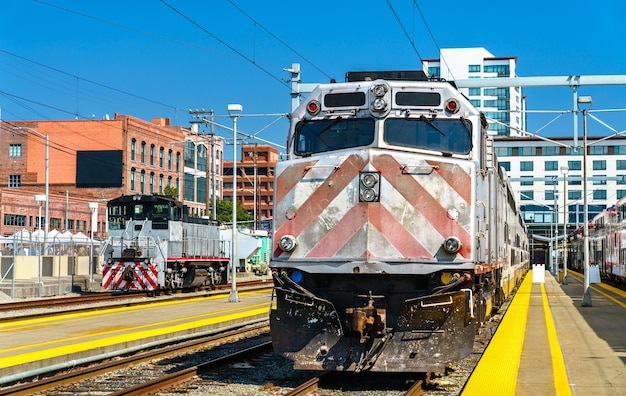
[85, 59]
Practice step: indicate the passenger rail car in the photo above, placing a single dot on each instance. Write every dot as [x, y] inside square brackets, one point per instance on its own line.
[154, 244]
[607, 244]
[395, 231]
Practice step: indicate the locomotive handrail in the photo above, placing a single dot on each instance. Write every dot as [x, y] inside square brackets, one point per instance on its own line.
[418, 169]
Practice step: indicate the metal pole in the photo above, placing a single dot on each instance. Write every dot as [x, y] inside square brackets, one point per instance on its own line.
[586, 296]
[564, 170]
[213, 181]
[234, 111]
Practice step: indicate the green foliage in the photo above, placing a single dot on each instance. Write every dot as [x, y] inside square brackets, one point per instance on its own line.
[224, 212]
[170, 191]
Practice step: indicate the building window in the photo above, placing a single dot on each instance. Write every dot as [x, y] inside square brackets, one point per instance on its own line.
[526, 181]
[527, 151]
[502, 93]
[551, 165]
[189, 187]
[502, 70]
[161, 180]
[549, 195]
[143, 152]
[574, 194]
[169, 160]
[504, 151]
[598, 150]
[526, 166]
[527, 195]
[473, 68]
[506, 166]
[133, 149]
[151, 182]
[620, 150]
[142, 182]
[550, 150]
[190, 154]
[620, 164]
[621, 194]
[599, 165]
[14, 220]
[621, 179]
[15, 181]
[133, 177]
[500, 104]
[161, 157]
[599, 194]
[15, 150]
[434, 71]
[201, 189]
[599, 180]
[152, 155]
[474, 91]
[177, 163]
[475, 102]
[201, 158]
[574, 165]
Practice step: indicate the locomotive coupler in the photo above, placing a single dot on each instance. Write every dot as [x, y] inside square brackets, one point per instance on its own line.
[367, 322]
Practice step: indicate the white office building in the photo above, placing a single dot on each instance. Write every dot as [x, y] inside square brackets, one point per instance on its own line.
[542, 172]
[502, 106]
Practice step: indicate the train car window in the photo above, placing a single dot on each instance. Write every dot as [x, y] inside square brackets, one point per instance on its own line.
[139, 212]
[431, 99]
[344, 99]
[445, 135]
[316, 136]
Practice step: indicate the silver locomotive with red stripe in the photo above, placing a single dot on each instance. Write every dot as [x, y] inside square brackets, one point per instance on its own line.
[154, 244]
[395, 231]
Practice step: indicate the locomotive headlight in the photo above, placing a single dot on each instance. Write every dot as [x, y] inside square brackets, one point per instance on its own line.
[379, 105]
[452, 245]
[379, 90]
[368, 195]
[287, 243]
[369, 187]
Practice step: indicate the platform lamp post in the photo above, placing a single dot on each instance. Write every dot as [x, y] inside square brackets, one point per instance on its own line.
[39, 198]
[585, 100]
[564, 171]
[234, 110]
[93, 206]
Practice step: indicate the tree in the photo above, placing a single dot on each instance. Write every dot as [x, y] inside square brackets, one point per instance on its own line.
[224, 212]
[170, 191]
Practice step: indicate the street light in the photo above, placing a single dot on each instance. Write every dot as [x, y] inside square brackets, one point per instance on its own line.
[585, 100]
[564, 171]
[234, 110]
[93, 206]
[39, 198]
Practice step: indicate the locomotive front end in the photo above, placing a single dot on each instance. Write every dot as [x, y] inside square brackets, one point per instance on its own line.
[374, 247]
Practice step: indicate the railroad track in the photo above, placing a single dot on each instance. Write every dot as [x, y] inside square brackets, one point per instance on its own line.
[62, 383]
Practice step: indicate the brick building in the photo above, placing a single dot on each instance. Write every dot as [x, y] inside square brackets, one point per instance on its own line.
[90, 161]
[256, 160]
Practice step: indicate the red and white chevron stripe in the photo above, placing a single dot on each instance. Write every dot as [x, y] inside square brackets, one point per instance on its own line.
[145, 276]
[317, 202]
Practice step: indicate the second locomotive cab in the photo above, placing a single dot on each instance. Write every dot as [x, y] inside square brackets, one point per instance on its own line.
[395, 230]
[154, 244]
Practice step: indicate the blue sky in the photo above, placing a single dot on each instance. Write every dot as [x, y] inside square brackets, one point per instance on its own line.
[85, 59]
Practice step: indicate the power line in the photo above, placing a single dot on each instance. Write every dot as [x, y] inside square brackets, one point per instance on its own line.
[278, 39]
[196, 24]
[405, 32]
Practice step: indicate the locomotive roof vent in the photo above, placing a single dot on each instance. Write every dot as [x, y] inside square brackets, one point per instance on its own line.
[396, 75]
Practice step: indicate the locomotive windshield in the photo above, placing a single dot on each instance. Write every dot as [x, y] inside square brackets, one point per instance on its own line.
[316, 136]
[445, 135]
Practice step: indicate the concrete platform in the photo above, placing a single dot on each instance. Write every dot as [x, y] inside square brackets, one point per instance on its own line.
[548, 344]
[28, 345]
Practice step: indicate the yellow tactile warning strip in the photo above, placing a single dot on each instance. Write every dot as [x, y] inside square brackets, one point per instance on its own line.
[112, 335]
[497, 371]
